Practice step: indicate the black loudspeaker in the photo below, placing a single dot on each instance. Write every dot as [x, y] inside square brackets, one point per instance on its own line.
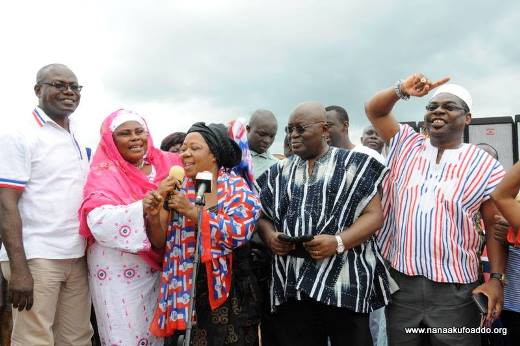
[517, 146]
[412, 124]
[498, 132]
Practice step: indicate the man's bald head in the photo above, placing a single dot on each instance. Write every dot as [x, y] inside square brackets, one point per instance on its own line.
[47, 70]
[311, 110]
[261, 130]
[262, 116]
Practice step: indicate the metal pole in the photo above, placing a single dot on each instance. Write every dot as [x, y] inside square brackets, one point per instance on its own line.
[196, 261]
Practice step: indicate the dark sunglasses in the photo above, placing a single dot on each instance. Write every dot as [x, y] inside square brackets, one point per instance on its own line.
[300, 128]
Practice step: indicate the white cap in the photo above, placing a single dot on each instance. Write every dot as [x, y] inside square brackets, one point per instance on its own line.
[456, 90]
[125, 115]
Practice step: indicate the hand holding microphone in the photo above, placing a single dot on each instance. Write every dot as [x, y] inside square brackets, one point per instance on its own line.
[174, 180]
[154, 199]
[183, 205]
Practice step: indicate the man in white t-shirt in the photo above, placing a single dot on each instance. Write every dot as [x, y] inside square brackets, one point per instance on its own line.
[338, 122]
[372, 139]
[41, 182]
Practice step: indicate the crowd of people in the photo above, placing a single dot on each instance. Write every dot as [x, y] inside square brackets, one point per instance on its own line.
[331, 243]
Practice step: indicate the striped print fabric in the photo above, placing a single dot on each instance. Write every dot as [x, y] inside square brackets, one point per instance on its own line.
[327, 202]
[430, 206]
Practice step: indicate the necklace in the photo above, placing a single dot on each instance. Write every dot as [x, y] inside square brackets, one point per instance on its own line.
[140, 165]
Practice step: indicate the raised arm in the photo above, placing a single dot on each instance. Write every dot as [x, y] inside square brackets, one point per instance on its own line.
[21, 282]
[504, 196]
[379, 108]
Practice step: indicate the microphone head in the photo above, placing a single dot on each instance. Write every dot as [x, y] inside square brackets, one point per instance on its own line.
[205, 175]
[177, 172]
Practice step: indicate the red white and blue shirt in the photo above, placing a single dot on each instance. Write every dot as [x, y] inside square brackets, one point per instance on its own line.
[229, 226]
[47, 163]
[429, 207]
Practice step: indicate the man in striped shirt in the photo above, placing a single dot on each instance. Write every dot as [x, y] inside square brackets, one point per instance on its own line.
[327, 287]
[435, 187]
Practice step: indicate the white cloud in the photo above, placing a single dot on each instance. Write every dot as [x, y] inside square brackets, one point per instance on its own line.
[179, 62]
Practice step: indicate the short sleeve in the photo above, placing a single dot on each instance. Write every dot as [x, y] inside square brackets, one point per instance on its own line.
[266, 186]
[120, 227]
[15, 155]
[401, 144]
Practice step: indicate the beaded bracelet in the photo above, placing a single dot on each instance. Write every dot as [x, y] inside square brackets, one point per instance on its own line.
[398, 92]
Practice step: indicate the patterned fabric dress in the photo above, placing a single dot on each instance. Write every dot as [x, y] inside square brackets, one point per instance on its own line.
[123, 286]
[223, 231]
[124, 269]
[326, 202]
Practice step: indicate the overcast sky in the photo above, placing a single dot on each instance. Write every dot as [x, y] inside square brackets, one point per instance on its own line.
[178, 62]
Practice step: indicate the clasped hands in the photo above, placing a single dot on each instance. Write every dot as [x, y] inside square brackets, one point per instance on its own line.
[321, 247]
[169, 189]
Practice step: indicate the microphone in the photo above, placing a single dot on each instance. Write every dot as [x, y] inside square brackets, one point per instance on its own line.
[177, 173]
[203, 182]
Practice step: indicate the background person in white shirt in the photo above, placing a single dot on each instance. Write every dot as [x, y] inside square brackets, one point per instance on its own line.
[41, 183]
[338, 123]
[372, 139]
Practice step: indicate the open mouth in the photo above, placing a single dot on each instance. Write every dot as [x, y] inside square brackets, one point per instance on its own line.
[68, 102]
[136, 148]
[188, 165]
[438, 123]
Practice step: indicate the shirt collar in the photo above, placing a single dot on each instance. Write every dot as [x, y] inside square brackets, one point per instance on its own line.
[265, 154]
[41, 118]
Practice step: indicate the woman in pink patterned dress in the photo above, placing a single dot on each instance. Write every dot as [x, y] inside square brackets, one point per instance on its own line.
[124, 268]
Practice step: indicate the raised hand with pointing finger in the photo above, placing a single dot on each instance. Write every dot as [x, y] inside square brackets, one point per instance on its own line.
[419, 85]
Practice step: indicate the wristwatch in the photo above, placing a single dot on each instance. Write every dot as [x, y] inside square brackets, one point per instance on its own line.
[500, 277]
[341, 247]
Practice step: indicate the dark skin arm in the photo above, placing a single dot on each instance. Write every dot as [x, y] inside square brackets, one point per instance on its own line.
[370, 220]
[324, 245]
[21, 282]
[379, 108]
[156, 219]
[156, 216]
[269, 235]
[504, 196]
[497, 254]
[183, 206]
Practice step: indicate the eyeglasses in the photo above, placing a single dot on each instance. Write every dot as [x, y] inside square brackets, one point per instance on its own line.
[62, 86]
[300, 128]
[450, 107]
